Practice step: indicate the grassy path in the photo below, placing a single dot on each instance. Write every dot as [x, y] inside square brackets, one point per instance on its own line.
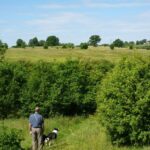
[76, 133]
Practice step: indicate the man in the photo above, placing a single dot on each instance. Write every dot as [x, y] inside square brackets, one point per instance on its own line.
[36, 127]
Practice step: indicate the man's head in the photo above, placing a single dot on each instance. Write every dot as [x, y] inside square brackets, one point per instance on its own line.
[37, 109]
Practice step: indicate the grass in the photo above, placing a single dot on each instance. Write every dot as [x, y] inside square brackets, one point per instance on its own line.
[77, 133]
[59, 54]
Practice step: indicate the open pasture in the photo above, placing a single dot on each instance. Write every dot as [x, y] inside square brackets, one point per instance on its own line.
[59, 54]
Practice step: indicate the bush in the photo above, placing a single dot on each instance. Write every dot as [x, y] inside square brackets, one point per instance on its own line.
[112, 46]
[68, 45]
[131, 47]
[84, 45]
[67, 88]
[124, 102]
[10, 139]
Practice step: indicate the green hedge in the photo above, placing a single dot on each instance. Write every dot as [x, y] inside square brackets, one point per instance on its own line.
[124, 99]
[67, 88]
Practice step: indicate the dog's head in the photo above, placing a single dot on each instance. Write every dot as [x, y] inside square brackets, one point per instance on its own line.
[55, 130]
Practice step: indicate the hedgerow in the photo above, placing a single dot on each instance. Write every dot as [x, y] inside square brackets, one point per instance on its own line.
[67, 88]
[124, 102]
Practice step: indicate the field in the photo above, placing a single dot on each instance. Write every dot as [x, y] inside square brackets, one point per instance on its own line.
[59, 54]
[77, 133]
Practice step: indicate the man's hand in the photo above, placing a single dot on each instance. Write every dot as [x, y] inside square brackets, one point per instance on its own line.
[30, 132]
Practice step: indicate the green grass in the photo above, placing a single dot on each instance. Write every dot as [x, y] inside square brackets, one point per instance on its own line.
[59, 54]
[77, 133]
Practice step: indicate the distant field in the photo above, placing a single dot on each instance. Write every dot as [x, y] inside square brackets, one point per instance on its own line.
[59, 54]
[77, 133]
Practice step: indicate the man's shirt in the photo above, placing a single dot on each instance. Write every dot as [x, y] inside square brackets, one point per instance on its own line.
[36, 120]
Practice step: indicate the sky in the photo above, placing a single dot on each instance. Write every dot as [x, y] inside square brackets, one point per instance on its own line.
[74, 20]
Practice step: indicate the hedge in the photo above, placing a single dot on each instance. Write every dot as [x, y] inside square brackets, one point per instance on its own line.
[124, 102]
[67, 88]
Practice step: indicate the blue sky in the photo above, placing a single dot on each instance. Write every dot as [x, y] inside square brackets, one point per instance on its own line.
[74, 20]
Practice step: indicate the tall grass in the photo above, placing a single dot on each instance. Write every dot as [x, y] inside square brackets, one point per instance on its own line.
[76, 133]
[59, 54]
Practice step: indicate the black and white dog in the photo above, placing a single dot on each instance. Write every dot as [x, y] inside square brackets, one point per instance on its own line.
[48, 139]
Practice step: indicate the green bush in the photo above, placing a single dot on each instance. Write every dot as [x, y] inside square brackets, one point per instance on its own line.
[124, 100]
[112, 47]
[84, 45]
[67, 88]
[10, 139]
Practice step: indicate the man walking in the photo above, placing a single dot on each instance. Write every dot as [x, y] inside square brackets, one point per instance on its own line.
[36, 127]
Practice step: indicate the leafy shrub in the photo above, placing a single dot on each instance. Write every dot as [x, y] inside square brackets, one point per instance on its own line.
[112, 46]
[124, 102]
[68, 45]
[67, 88]
[10, 139]
[84, 45]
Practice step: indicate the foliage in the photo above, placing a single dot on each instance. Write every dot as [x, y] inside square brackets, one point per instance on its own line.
[10, 139]
[41, 43]
[141, 42]
[118, 43]
[84, 45]
[124, 102]
[20, 43]
[145, 46]
[52, 41]
[112, 46]
[3, 48]
[33, 42]
[67, 88]
[94, 40]
[68, 45]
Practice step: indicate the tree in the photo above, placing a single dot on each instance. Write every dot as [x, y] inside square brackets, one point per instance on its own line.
[41, 43]
[20, 43]
[52, 41]
[84, 45]
[141, 42]
[118, 43]
[94, 40]
[33, 42]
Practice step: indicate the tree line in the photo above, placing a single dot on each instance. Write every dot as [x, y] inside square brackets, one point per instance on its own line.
[54, 41]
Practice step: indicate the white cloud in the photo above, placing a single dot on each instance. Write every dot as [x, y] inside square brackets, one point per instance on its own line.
[120, 4]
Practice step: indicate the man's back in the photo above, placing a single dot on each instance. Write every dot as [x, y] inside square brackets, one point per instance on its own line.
[36, 120]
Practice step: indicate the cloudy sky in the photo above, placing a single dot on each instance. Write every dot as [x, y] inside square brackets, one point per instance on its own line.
[74, 20]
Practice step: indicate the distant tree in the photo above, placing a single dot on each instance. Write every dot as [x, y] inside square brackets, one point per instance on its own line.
[33, 42]
[118, 43]
[84, 45]
[52, 41]
[94, 40]
[20, 43]
[112, 47]
[41, 43]
[141, 42]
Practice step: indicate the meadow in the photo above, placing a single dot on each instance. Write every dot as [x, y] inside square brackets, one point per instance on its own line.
[76, 133]
[59, 54]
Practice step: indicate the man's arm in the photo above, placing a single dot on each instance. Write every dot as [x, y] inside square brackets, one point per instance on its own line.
[30, 128]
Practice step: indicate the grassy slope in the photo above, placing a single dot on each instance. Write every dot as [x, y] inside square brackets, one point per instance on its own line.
[59, 54]
[76, 133]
